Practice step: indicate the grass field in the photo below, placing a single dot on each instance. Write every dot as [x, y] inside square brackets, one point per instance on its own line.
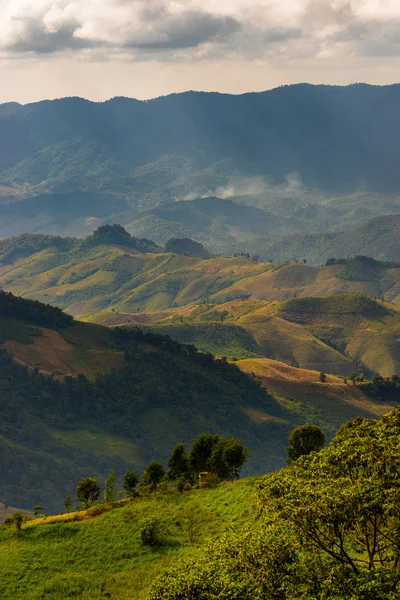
[102, 556]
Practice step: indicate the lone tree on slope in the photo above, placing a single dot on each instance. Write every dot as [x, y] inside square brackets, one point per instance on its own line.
[304, 440]
[88, 491]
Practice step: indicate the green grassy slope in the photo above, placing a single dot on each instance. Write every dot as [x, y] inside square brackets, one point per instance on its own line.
[103, 558]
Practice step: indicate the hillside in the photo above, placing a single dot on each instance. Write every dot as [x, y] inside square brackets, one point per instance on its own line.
[131, 275]
[258, 164]
[79, 397]
[102, 557]
[378, 238]
[265, 537]
[336, 334]
[114, 279]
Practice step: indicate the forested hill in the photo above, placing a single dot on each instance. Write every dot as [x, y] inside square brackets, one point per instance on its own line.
[299, 128]
[84, 399]
[378, 238]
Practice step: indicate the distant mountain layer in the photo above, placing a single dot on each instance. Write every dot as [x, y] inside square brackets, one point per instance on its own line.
[303, 158]
[334, 137]
[379, 238]
[229, 306]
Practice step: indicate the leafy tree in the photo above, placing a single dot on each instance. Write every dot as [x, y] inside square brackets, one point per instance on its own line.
[178, 462]
[37, 510]
[130, 483]
[68, 504]
[88, 491]
[343, 503]
[17, 520]
[303, 440]
[322, 377]
[109, 492]
[201, 451]
[353, 378]
[227, 458]
[153, 474]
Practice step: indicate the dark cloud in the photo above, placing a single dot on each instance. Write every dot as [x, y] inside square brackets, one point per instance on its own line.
[280, 34]
[186, 31]
[36, 39]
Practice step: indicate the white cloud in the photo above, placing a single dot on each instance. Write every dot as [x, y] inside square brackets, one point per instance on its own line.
[229, 45]
[250, 27]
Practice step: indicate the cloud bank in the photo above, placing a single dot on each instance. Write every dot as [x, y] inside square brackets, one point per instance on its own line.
[168, 30]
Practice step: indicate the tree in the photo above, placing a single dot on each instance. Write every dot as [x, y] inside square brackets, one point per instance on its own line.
[153, 474]
[37, 510]
[68, 503]
[201, 451]
[227, 458]
[322, 377]
[109, 492]
[178, 462]
[130, 483]
[303, 440]
[353, 378]
[17, 520]
[343, 503]
[88, 491]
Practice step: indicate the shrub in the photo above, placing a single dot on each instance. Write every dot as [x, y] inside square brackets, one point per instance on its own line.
[151, 532]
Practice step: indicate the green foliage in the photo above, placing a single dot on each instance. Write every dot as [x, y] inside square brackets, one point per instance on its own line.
[327, 529]
[227, 458]
[130, 483]
[88, 491]
[178, 463]
[151, 532]
[153, 474]
[221, 456]
[17, 520]
[116, 234]
[303, 440]
[109, 491]
[32, 311]
[68, 504]
[186, 246]
[201, 451]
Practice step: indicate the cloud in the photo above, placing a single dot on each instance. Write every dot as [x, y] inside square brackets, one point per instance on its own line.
[49, 27]
[203, 29]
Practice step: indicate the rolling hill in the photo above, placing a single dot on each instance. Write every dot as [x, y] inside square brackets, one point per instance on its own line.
[79, 399]
[114, 279]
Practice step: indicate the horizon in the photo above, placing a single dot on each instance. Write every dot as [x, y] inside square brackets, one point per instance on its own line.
[200, 91]
[151, 48]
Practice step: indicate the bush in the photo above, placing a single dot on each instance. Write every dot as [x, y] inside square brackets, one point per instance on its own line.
[151, 532]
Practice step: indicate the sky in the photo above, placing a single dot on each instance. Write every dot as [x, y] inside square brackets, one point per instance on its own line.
[99, 49]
